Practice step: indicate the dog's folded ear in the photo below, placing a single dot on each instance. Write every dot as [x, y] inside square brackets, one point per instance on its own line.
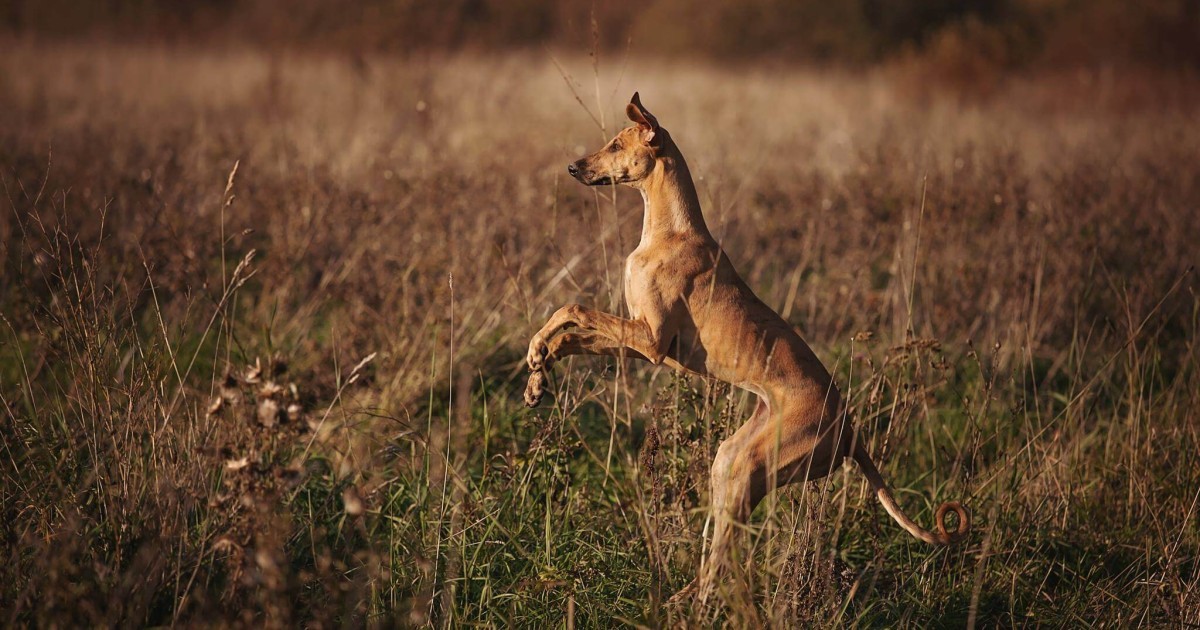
[644, 119]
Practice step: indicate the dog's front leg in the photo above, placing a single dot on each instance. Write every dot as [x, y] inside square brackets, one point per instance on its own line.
[602, 334]
[641, 335]
[572, 343]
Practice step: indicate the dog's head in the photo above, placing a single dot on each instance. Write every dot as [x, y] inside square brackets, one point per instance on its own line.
[627, 158]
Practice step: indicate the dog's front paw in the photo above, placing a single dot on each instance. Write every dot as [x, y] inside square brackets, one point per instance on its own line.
[536, 357]
[535, 389]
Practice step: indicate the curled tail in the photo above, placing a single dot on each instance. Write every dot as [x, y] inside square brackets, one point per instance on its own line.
[941, 537]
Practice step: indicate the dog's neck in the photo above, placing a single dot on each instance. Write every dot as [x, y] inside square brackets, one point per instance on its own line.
[672, 205]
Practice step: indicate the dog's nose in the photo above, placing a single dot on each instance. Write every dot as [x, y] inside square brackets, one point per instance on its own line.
[573, 169]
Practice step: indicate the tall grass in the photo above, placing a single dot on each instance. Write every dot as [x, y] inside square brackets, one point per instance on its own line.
[290, 392]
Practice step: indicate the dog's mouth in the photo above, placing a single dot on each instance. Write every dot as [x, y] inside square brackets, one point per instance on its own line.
[588, 177]
[603, 180]
[607, 179]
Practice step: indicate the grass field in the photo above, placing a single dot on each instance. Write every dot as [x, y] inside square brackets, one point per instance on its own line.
[264, 320]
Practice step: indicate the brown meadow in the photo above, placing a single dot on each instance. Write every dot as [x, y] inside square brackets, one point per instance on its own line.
[264, 314]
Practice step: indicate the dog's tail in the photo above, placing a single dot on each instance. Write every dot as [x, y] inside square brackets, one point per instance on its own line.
[941, 537]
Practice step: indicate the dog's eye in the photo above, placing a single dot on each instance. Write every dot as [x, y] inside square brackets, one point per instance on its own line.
[614, 147]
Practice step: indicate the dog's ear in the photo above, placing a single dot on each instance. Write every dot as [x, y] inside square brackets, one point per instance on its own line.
[646, 121]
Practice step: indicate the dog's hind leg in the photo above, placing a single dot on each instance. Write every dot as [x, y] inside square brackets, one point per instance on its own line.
[739, 479]
[774, 448]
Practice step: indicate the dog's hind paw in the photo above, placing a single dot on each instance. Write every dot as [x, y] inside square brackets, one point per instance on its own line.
[536, 388]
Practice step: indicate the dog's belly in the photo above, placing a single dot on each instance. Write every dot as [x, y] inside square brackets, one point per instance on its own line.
[762, 362]
[742, 350]
[691, 353]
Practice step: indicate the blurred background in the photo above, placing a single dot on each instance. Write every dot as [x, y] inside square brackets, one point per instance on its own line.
[998, 34]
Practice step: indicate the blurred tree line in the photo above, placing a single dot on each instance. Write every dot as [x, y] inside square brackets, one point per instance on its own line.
[1007, 33]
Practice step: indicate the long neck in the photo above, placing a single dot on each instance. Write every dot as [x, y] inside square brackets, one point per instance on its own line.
[672, 205]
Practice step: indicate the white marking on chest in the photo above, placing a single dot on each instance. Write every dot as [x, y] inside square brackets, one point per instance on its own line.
[630, 302]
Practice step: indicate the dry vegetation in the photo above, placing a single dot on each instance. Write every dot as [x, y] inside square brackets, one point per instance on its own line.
[291, 393]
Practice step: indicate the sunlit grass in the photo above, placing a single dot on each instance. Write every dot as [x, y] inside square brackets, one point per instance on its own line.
[331, 430]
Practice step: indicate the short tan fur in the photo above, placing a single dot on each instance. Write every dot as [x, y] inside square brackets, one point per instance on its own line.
[690, 310]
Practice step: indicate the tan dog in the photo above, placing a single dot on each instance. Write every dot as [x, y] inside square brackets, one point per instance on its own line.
[690, 310]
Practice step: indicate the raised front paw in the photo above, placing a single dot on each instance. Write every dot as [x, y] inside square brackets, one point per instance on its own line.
[536, 357]
[535, 389]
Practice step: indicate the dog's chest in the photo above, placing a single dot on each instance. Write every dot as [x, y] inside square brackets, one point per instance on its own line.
[646, 270]
[636, 283]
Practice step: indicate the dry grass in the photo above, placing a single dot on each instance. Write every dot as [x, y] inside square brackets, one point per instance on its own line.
[193, 431]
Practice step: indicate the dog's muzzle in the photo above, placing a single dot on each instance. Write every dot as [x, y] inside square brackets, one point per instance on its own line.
[586, 177]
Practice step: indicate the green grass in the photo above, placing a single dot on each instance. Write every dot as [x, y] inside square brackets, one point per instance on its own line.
[334, 434]
[541, 519]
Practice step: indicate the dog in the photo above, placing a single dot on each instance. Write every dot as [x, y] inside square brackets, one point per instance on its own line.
[691, 311]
